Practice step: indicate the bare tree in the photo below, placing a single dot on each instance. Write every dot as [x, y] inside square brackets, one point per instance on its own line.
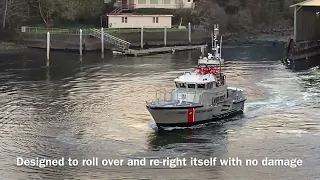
[46, 10]
[14, 10]
[179, 4]
[210, 13]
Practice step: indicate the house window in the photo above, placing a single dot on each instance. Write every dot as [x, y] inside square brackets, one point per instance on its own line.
[154, 2]
[124, 19]
[155, 19]
[142, 1]
[166, 1]
[189, 0]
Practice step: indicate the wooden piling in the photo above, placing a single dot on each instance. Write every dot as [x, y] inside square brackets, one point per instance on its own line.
[165, 36]
[80, 47]
[142, 37]
[102, 41]
[48, 49]
[189, 30]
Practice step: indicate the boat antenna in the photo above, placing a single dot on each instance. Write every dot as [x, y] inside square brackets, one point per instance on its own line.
[220, 56]
[216, 33]
[220, 50]
[212, 47]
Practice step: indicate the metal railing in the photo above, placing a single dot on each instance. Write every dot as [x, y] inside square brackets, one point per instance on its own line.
[165, 95]
[87, 31]
[42, 30]
[120, 43]
[205, 98]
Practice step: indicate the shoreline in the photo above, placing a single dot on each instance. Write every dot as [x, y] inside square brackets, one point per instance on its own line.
[11, 48]
[228, 40]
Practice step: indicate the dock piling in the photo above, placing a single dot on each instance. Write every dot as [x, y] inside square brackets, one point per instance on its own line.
[102, 41]
[48, 48]
[80, 47]
[165, 36]
[189, 30]
[142, 37]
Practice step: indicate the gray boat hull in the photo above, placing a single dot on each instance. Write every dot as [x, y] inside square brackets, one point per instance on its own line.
[189, 116]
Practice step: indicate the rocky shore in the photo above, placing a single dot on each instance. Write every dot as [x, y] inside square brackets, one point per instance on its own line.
[258, 37]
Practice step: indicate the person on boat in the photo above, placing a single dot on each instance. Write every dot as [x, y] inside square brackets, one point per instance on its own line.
[213, 70]
[206, 69]
[197, 69]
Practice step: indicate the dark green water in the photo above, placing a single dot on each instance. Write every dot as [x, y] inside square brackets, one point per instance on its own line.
[96, 108]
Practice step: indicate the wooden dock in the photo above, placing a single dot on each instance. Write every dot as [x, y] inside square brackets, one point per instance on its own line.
[151, 51]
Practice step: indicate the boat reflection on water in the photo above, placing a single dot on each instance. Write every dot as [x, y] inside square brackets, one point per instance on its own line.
[210, 133]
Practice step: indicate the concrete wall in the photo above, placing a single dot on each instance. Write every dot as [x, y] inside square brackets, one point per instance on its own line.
[167, 4]
[137, 21]
[62, 42]
[308, 25]
[157, 38]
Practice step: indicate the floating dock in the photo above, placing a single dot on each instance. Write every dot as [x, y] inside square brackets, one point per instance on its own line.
[303, 50]
[151, 51]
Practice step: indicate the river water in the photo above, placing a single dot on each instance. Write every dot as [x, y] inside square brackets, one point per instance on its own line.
[96, 108]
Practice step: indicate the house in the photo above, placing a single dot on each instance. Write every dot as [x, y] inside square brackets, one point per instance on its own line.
[163, 4]
[138, 21]
[166, 4]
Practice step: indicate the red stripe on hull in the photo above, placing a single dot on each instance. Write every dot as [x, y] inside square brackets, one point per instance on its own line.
[190, 115]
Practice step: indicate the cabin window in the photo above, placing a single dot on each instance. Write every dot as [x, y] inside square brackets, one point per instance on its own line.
[166, 1]
[216, 100]
[221, 98]
[177, 85]
[200, 86]
[210, 85]
[192, 86]
[124, 19]
[182, 85]
[155, 19]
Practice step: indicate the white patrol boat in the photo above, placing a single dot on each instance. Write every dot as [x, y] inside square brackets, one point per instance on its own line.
[200, 96]
[215, 58]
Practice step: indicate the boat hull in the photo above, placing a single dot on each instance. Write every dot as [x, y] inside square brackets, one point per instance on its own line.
[184, 117]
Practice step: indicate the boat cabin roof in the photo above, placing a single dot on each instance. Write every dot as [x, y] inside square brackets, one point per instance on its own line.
[195, 78]
[208, 62]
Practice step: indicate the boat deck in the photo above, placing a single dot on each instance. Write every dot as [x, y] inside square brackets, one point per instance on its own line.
[174, 104]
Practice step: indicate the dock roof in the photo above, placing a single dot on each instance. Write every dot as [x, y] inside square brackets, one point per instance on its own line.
[308, 3]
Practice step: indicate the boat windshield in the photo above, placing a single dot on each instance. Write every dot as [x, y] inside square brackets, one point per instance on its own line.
[200, 86]
[191, 86]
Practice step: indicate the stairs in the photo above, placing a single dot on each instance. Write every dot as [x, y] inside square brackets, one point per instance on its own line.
[117, 10]
[119, 43]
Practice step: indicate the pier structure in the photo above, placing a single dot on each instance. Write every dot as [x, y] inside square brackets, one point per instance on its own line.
[303, 48]
[80, 40]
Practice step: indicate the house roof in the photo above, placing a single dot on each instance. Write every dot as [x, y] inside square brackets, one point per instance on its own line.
[140, 15]
[310, 3]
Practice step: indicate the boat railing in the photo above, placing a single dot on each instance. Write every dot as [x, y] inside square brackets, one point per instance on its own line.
[165, 95]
